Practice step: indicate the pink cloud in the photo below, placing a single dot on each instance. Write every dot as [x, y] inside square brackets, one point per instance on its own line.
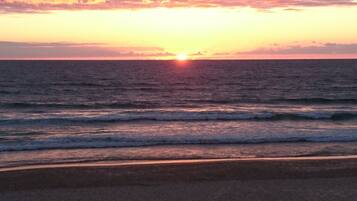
[25, 50]
[316, 50]
[48, 5]
[327, 48]
[59, 50]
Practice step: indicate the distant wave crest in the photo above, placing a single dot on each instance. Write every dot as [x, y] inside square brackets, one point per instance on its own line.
[277, 101]
[78, 106]
[186, 116]
[187, 103]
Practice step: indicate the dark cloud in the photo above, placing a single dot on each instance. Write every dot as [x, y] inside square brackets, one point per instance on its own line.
[48, 5]
[23, 50]
[322, 49]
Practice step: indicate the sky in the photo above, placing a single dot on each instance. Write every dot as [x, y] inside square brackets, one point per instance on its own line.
[163, 29]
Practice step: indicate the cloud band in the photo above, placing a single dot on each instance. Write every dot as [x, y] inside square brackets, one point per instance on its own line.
[49, 5]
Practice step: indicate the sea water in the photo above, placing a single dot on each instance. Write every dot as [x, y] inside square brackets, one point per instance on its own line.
[75, 111]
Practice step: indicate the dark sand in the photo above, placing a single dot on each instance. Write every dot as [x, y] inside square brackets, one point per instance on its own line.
[271, 180]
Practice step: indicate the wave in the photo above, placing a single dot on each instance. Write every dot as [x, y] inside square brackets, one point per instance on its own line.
[185, 116]
[80, 84]
[318, 101]
[186, 102]
[277, 101]
[78, 106]
[120, 142]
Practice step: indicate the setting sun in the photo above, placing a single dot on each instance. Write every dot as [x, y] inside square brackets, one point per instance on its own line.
[182, 57]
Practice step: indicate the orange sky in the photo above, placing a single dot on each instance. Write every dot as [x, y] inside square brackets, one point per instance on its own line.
[149, 29]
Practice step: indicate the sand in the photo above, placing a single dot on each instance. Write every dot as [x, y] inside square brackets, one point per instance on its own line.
[272, 180]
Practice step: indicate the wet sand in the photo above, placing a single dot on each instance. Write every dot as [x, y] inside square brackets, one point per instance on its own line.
[271, 179]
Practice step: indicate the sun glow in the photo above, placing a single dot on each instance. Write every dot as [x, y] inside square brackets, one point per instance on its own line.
[182, 57]
[174, 33]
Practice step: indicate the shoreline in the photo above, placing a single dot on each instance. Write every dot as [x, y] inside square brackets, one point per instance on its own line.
[147, 172]
[270, 179]
[100, 164]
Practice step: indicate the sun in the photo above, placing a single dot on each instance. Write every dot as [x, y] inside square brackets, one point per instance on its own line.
[182, 57]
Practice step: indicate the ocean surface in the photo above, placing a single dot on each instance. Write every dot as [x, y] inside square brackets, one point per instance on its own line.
[75, 111]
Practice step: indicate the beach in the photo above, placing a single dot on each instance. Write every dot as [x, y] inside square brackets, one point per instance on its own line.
[315, 178]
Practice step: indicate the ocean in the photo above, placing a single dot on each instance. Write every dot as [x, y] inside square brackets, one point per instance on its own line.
[81, 111]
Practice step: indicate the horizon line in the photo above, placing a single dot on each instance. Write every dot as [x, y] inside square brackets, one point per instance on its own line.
[188, 60]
